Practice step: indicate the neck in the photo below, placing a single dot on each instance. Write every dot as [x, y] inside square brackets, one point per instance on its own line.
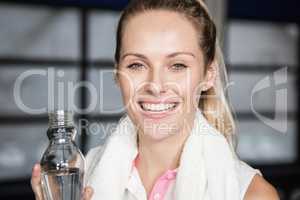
[157, 156]
[151, 157]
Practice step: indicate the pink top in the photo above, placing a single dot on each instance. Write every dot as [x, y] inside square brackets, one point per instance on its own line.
[162, 183]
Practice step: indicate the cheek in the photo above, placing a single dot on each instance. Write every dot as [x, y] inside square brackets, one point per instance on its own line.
[126, 89]
[190, 92]
[188, 85]
[129, 85]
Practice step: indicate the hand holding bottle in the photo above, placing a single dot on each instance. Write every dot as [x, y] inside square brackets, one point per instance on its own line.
[37, 187]
[60, 175]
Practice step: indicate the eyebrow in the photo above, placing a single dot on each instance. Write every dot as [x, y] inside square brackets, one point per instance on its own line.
[169, 56]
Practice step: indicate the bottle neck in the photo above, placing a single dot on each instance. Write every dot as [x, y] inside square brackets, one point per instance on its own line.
[60, 118]
[61, 128]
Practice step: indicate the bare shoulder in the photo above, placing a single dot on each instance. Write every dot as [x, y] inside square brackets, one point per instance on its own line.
[260, 189]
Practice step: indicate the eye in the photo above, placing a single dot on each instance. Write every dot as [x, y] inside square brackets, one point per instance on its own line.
[178, 67]
[135, 66]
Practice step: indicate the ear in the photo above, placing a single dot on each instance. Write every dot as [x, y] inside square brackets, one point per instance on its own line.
[210, 76]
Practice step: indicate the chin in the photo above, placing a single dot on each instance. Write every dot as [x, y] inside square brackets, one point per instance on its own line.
[157, 136]
[159, 130]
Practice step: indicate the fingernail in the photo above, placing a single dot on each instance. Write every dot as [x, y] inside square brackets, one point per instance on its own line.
[35, 169]
[36, 166]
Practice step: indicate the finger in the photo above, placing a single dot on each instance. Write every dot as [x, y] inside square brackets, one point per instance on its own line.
[36, 182]
[88, 193]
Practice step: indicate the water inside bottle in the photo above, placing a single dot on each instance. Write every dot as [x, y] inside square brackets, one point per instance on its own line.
[62, 184]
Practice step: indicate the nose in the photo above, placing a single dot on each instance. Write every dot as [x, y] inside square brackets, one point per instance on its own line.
[155, 83]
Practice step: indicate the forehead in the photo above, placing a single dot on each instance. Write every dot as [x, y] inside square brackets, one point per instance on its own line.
[159, 31]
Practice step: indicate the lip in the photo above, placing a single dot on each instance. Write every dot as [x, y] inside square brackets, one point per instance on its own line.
[159, 101]
[158, 115]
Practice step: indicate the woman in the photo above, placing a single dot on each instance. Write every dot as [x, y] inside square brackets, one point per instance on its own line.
[177, 139]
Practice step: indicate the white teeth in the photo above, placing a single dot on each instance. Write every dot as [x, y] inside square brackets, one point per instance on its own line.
[157, 107]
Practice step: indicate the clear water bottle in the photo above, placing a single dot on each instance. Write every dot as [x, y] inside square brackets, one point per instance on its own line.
[62, 163]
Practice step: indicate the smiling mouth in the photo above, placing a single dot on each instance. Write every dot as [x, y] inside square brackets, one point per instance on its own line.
[158, 107]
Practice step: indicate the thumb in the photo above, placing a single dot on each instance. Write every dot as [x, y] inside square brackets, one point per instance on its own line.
[36, 182]
[88, 193]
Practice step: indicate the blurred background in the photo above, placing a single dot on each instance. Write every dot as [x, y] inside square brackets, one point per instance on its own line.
[74, 40]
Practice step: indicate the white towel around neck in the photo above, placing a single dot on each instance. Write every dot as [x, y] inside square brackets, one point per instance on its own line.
[207, 165]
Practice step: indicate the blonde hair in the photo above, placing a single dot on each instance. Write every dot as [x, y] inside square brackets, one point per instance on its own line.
[215, 106]
[215, 103]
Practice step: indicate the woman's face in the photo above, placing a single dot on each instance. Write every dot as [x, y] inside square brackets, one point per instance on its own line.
[160, 71]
